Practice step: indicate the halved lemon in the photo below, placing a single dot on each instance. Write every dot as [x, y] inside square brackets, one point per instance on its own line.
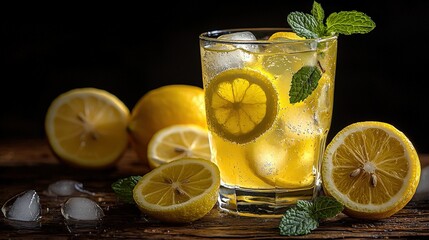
[372, 168]
[241, 104]
[178, 141]
[86, 127]
[180, 191]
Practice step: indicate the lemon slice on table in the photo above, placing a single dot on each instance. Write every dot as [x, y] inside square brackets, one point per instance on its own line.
[241, 104]
[372, 168]
[86, 127]
[180, 191]
[178, 141]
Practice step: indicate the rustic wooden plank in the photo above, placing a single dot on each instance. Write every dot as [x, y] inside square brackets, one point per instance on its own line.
[30, 164]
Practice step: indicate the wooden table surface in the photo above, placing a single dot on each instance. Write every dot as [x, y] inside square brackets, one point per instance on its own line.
[30, 164]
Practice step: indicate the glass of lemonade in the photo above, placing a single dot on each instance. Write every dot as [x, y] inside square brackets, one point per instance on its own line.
[268, 98]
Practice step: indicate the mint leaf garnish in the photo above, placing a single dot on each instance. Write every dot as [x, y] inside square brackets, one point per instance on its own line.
[344, 22]
[326, 207]
[304, 25]
[305, 216]
[123, 188]
[304, 82]
[318, 12]
[312, 26]
[297, 221]
[349, 22]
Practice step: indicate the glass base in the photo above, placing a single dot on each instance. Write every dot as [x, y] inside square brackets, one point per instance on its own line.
[269, 203]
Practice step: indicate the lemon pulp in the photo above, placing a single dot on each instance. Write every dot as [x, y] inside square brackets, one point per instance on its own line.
[176, 142]
[86, 127]
[242, 104]
[372, 168]
[179, 191]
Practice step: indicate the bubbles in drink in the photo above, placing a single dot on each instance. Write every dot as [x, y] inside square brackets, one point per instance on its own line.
[299, 122]
[279, 63]
[266, 159]
[66, 188]
[80, 208]
[23, 207]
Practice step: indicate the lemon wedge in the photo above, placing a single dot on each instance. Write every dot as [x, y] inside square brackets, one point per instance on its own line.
[372, 168]
[86, 127]
[178, 141]
[180, 191]
[241, 104]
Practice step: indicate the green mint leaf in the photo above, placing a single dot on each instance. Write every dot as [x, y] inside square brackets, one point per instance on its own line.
[123, 188]
[326, 207]
[304, 82]
[297, 221]
[318, 12]
[349, 22]
[304, 25]
[304, 217]
[303, 204]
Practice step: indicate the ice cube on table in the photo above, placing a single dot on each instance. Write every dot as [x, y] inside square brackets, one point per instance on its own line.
[66, 188]
[222, 56]
[23, 207]
[81, 208]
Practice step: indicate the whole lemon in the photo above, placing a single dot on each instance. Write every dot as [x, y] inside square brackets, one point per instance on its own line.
[162, 107]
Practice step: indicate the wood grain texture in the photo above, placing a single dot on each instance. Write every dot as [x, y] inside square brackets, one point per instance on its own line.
[30, 164]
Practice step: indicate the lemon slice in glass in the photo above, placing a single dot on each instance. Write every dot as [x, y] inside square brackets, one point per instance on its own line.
[180, 191]
[372, 168]
[241, 104]
[178, 141]
[284, 36]
[86, 127]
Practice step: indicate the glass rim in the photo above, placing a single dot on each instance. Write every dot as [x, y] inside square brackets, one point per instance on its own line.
[213, 34]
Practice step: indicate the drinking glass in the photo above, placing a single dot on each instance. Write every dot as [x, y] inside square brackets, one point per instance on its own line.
[268, 98]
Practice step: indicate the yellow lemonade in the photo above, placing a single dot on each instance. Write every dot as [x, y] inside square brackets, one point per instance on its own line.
[266, 143]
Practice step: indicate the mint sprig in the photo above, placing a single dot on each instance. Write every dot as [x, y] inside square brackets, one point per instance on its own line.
[123, 188]
[306, 215]
[344, 22]
[312, 25]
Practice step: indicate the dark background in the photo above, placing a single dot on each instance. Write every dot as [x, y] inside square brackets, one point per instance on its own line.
[381, 76]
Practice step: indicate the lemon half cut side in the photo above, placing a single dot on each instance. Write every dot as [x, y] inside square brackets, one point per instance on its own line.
[86, 127]
[176, 142]
[372, 168]
[180, 191]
